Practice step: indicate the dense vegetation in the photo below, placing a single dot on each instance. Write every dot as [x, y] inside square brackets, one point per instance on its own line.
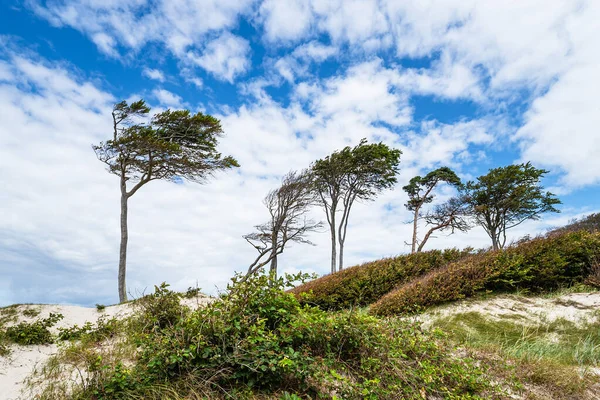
[538, 265]
[257, 341]
[365, 284]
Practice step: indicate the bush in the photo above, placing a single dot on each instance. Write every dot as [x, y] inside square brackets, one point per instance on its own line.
[539, 265]
[259, 340]
[33, 333]
[364, 284]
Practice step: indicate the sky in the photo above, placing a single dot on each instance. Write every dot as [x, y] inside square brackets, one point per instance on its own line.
[468, 84]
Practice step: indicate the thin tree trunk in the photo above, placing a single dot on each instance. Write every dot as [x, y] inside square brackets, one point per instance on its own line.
[333, 242]
[495, 244]
[123, 246]
[341, 264]
[273, 268]
[427, 235]
[414, 238]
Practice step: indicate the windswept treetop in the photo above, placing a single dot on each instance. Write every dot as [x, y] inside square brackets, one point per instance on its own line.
[508, 196]
[172, 145]
[420, 189]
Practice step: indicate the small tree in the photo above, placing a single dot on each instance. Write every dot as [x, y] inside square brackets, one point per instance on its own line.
[354, 173]
[508, 196]
[288, 206]
[420, 192]
[450, 216]
[173, 145]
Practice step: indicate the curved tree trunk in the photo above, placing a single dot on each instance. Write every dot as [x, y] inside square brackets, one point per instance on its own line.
[123, 246]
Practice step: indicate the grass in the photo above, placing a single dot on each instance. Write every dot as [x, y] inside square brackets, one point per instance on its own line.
[557, 355]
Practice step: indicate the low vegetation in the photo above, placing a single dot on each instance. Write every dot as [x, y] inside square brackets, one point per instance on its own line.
[257, 341]
[558, 354]
[538, 265]
[365, 284]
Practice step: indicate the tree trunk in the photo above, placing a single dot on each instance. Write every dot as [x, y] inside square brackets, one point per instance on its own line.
[273, 268]
[333, 243]
[495, 244]
[414, 238]
[425, 240]
[123, 246]
[341, 265]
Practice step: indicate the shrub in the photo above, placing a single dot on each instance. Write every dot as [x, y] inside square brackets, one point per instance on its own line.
[161, 309]
[33, 333]
[31, 312]
[538, 265]
[364, 284]
[100, 307]
[258, 340]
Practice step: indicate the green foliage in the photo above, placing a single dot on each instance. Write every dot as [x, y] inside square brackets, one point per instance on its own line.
[31, 312]
[192, 292]
[258, 340]
[420, 189]
[365, 284]
[100, 307]
[103, 329]
[173, 145]
[160, 310]
[539, 265]
[33, 333]
[508, 196]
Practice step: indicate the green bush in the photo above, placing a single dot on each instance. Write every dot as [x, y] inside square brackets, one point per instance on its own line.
[365, 284]
[33, 333]
[538, 265]
[257, 340]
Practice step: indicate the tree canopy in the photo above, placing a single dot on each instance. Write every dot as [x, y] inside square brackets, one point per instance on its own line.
[508, 196]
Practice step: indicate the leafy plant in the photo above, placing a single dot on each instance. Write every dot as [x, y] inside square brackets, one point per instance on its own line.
[259, 340]
[31, 312]
[100, 307]
[34, 333]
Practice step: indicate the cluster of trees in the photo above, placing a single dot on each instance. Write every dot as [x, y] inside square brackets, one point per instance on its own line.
[176, 145]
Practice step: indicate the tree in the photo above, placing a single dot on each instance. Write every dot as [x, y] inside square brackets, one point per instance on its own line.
[452, 215]
[288, 206]
[508, 196]
[353, 173]
[172, 145]
[420, 192]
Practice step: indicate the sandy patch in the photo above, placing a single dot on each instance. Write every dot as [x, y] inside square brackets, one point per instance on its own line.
[575, 307]
[22, 360]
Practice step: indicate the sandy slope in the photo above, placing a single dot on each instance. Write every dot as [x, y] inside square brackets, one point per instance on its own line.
[574, 307]
[22, 360]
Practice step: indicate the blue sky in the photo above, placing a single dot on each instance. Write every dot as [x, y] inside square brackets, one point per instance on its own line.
[456, 82]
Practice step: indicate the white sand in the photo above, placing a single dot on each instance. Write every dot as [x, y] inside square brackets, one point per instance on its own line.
[22, 360]
[574, 307]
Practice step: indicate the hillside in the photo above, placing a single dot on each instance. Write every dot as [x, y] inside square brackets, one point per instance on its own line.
[522, 323]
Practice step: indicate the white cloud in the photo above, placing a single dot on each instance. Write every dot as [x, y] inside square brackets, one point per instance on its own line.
[225, 57]
[154, 74]
[114, 26]
[166, 98]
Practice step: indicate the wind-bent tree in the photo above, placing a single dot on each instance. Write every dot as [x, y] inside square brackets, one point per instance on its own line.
[508, 196]
[288, 207]
[450, 216]
[172, 145]
[420, 192]
[353, 173]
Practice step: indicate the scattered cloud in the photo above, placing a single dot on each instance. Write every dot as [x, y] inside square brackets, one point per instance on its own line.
[225, 57]
[166, 98]
[154, 74]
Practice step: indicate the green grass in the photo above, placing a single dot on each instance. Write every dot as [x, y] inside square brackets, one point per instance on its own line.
[557, 355]
[561, 340]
